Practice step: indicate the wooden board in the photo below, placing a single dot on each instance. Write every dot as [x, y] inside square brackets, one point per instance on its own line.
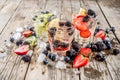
[111, 11]
[14, 68]
[7, 12]
[18, 13]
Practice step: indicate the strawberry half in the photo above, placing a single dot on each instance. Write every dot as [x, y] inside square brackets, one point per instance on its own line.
[101, 34]
[85, 34]
[22, 50]
[85, 51]
[80, 61]
[27, 33]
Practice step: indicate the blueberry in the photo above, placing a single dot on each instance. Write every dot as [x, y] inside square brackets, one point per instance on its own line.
[71, 32]
[19, 42]
[45, 61]
[86, 18]
[52, 31]
[69, 29]
[42, 20]
[68, 24]
[31, 28]
[33, 33]
[94, 47]
[100, 46]
[98, 23]
[71, 53]
[98, 28]
[99, 56]
[91, 13]
[66, 59]
[75, 46]
[88, 46]
[107, 30]
[116, 51]
[108, 44]
[26, 58]
[47, 12]
[64, 45]
[52, 56]
[11, 39]
[45, 52]
[33, 19]
[48, 47]
[56, 43]
[112, 29]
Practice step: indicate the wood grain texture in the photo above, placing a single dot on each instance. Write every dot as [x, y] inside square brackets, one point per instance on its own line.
[111, 12]
[7, 12]
[17, 13]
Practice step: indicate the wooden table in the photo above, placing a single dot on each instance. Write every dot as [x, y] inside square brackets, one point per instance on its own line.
[16, 13]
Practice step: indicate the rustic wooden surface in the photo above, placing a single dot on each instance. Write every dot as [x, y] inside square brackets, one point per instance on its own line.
[16, 13]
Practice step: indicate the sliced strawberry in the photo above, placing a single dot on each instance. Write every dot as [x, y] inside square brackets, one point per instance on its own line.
[85, 34]
[22, 50]
[101, 34]
[60, 49]
[85, 51]
[27, 33]
[78, 22]
[80, 61]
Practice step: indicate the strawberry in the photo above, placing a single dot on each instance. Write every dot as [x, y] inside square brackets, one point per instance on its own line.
[85, 34]
[27, 33]
[22, 50]
[101, 34]
[85, 51]
[78, 22]
[80, 61]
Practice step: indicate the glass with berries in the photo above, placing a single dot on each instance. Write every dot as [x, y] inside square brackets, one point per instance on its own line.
[60, 36]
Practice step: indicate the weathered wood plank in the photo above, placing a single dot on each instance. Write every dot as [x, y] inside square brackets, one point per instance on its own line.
[2, 3]
[111, 11]
[14, 68]
[24, 12]
[7, 12]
